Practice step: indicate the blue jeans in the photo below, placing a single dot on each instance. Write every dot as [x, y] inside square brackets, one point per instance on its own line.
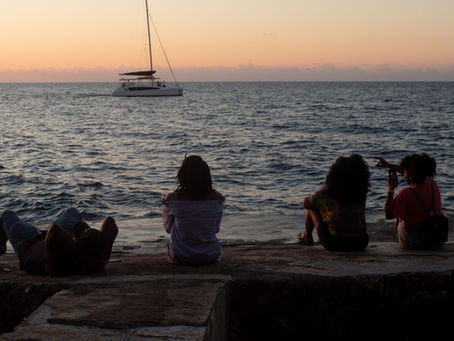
[21, 234]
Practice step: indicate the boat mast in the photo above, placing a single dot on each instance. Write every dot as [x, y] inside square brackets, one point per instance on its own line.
[149, 36]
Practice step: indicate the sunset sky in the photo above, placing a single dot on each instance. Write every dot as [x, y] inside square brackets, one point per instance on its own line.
[235, 40]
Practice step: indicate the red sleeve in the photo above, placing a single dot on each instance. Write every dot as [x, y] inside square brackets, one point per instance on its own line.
[401, 205]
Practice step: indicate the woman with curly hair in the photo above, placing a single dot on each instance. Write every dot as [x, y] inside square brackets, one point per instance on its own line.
[192, 215]
[337, 211]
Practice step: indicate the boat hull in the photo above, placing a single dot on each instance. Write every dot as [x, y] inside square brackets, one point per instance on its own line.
[147, 91]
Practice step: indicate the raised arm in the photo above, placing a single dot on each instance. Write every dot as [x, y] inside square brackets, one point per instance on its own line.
[382, 163]
[392, 184]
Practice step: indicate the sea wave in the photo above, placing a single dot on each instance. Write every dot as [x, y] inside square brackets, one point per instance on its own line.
[268, 144]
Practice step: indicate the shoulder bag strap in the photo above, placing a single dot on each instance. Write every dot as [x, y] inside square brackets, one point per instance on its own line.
[422, 202]
[433, 197]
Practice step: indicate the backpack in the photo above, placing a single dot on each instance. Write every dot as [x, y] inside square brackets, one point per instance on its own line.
[433, 229]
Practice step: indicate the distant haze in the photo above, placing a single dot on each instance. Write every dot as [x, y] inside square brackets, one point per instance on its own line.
[240, 74]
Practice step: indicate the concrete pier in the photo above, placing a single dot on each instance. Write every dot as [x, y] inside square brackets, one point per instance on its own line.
[257, 291]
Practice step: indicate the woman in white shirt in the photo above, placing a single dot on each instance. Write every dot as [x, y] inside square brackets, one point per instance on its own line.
[192, 215]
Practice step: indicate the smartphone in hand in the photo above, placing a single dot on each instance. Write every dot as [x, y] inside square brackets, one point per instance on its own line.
[392, 179]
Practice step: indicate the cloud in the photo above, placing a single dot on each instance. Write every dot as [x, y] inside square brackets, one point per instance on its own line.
[249, 72]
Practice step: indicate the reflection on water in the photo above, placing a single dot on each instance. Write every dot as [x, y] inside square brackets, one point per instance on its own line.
[268, 144]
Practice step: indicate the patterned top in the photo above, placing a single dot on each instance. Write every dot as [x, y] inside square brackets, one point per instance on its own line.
[344, 220]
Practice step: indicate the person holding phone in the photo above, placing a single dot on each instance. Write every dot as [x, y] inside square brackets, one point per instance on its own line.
[411, 204]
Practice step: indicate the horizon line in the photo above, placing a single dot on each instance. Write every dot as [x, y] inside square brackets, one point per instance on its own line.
[242, 73]
[238, 81]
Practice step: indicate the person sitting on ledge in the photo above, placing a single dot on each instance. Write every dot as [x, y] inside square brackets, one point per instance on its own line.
[337, 211]
[414, 203]
[192, 215]
[68, 247]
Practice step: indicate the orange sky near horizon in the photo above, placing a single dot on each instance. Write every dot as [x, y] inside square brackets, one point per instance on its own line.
[111, 34]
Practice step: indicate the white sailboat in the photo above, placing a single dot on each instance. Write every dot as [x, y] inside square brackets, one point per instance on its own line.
[144, 83]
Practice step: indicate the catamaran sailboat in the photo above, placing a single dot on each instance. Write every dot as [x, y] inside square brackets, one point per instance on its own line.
[144, 83]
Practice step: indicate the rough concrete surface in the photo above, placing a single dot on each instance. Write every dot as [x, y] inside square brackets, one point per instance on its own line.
[142, 296]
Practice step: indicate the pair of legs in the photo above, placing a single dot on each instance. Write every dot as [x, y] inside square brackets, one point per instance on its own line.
[21, 234]
[312, 220]
[330, 242]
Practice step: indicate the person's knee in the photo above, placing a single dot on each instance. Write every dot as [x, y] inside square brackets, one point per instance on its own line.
[6, 214]
[70, 210]
[7, 211]
[70, 213]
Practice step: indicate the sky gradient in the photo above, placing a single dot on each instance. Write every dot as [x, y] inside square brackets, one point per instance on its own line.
[236, 40]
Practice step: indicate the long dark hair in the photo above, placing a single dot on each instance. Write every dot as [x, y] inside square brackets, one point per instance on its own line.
[348, 180]
[419, 166]
[194, 177]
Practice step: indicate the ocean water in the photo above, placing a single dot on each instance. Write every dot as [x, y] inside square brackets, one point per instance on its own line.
[268, 145]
